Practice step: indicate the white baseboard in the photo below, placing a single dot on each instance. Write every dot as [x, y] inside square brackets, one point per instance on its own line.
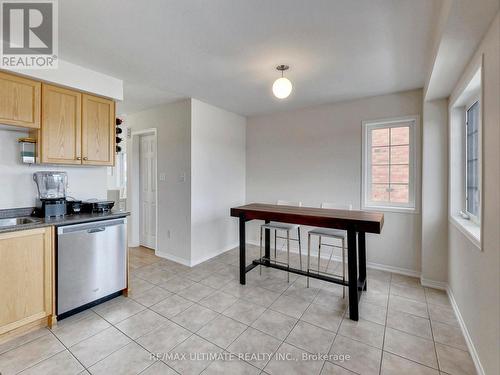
[212, 254]
[173, 258]
[392, 269]
[465, 332]
[433, 284]
[372, 265]
[192, 263]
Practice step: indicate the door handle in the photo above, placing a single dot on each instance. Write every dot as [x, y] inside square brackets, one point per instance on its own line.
[95, 230]
[85, 158]
[78, 158]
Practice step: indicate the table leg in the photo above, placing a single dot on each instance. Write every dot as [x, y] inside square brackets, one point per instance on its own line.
[267, 242]
[353, 274]
[242, 251]
[362, 258]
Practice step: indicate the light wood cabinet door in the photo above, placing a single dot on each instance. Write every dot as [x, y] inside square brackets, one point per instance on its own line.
[98, 130]
[19, 101]
[26, 278]
[61, 125]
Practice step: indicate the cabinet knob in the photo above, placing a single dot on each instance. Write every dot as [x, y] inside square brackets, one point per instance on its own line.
[85, 158]
[78, 158]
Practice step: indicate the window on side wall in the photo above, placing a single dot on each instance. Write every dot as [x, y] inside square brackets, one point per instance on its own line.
[465, 161]
[472, 166]
[390, 164]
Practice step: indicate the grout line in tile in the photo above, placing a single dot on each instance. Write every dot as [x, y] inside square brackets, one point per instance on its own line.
[385, 327]
[432, 334]
[411, 360]
[282, 341]
[67, 348]
[24, 343]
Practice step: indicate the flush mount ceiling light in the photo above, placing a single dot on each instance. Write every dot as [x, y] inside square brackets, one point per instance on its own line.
[282, 87]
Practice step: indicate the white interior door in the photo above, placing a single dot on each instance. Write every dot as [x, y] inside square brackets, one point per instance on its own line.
[147, 188]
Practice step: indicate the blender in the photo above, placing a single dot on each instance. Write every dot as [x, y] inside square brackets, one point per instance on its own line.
[51, 193]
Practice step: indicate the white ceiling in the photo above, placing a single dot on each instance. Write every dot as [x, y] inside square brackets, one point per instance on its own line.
[224, 52]
[459, 32]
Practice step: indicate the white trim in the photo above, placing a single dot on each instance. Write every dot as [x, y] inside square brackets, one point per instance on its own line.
[465, 332]
[213, 254]
[192, 263]
[395, 209]
[441, 285]
[475, 99]
[459, 100]
[372, 265]
[414, 165]
[392, 269]
[173, 258]
[132, 195]
[468, 228]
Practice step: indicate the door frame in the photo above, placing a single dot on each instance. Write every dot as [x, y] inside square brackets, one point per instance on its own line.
[134, 185]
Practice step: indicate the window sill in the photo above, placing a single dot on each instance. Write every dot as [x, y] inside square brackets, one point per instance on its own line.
[468, 228]
[399, 210]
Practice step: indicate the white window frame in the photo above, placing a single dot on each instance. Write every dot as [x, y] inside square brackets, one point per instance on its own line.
[414, 176]
[470, 87]
[475, 219]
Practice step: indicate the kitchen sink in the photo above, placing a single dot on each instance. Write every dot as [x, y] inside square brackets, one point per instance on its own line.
[9, 222]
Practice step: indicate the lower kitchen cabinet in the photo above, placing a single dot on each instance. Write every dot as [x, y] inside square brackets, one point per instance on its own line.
[26, 279]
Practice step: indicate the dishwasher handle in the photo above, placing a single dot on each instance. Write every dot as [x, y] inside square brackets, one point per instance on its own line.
[91, 227]
[95, 230]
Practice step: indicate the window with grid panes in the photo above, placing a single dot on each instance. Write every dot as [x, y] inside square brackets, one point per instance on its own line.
[472, 161]
[389, 168]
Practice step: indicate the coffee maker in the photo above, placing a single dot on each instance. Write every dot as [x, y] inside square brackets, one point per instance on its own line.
[51, 193]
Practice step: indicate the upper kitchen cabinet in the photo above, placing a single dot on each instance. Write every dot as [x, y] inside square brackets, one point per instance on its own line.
[60, 138]
[19, 101]
[98, 130]
[70, 127]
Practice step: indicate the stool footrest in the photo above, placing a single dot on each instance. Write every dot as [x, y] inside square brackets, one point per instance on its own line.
[315, 271]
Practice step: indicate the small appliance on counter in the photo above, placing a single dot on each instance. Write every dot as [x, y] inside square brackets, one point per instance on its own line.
[73, 206]
[97, 206]
[51, 193]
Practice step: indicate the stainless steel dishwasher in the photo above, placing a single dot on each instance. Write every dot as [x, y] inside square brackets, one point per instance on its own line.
[91, 263]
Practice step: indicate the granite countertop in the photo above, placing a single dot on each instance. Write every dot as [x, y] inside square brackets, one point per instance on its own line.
[60, 221]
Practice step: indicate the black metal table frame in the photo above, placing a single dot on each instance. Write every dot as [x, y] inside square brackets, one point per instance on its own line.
[356, 252]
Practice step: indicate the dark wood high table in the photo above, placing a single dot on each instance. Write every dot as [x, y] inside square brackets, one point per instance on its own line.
[356, 223]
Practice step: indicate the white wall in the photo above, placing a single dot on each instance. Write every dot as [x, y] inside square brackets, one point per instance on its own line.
[435, 192]
[173, 124]
[217, 178]
[474, 277]
[77, 77]
[17, 188]
[313, 155]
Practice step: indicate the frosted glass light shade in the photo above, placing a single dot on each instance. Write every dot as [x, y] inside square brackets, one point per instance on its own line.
[282, 88]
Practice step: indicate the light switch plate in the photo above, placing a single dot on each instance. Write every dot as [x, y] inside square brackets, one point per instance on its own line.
[163, 176]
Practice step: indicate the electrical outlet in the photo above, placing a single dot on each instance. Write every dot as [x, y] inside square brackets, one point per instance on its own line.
[163, 176]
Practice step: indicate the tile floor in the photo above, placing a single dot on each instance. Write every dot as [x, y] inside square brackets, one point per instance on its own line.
[201, 320]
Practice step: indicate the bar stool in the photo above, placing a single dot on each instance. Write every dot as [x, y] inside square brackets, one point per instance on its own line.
[336, 234]
[285, 228]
